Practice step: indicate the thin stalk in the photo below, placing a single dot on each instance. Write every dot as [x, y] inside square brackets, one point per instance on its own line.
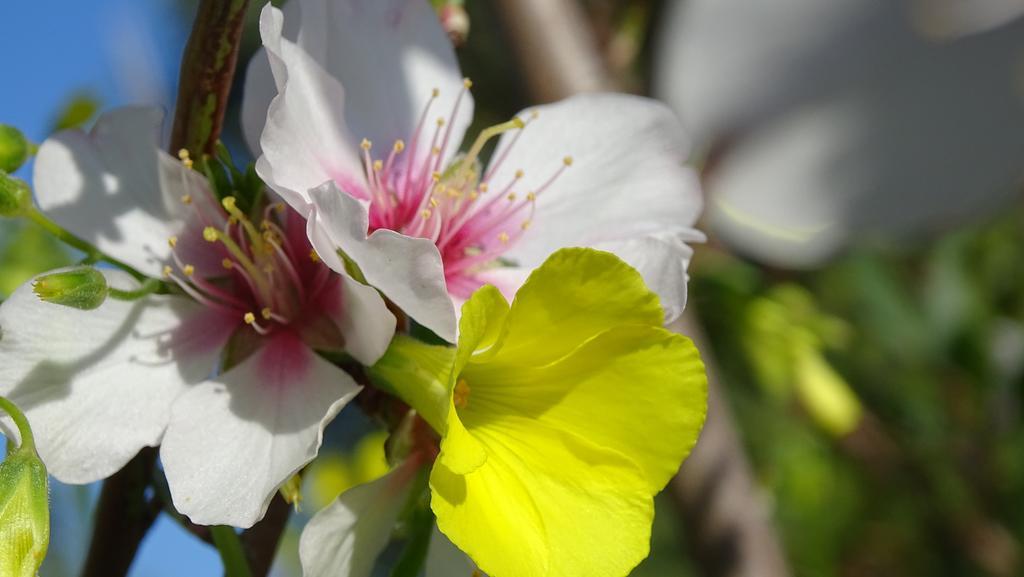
[231, 553]
[92, 254]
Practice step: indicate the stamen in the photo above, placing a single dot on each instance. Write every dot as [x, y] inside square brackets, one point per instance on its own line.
[460, 396]
[250, 319]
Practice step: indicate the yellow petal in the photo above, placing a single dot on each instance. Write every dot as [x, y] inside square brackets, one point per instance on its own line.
[545, 503]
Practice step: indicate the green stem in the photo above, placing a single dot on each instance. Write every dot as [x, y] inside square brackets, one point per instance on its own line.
[27, 440]
[149, 287]
[230, 548]
[91, 252]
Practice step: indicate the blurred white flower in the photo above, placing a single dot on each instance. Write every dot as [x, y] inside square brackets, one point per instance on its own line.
[839, 121]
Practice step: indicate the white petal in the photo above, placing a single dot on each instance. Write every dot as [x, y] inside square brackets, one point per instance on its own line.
[444, 559]
[366, 322]
[305, 141]
[389, 55]
[234, 440]
[345, 538]
[662, 260]
[260, 88]
[626, 181]
[115, 188]
[407, 270]
[98, 385]
[363, 318]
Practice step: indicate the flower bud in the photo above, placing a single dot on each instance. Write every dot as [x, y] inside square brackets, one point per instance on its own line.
[14, 148]
[82, 288]
[15, 196]
[455, 22]
[24, 507]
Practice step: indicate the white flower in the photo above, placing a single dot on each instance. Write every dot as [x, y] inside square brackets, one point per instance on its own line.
[346, 537]
[100, 385]
[839, 121]
[359, 118]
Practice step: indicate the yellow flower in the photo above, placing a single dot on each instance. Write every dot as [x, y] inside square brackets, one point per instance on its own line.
[561, 417]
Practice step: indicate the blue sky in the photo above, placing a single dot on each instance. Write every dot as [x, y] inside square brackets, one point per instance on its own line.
[122, 52]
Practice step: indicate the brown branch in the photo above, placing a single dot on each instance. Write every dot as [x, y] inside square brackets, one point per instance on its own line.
[727, 523]
[123, 517]
[554, 47]
[261, 541]
[207, 70]
[729, 529]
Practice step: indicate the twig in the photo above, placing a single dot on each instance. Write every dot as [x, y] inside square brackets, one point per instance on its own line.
[123, 517]
[260, 542]
[207, 69]
[725, 519]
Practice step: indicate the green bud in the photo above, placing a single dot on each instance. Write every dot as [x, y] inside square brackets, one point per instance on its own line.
[15, 196]
[82, 288]
[14, 148]
[24, 506]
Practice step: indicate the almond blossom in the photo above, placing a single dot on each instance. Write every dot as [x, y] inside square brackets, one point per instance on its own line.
[220, 371]
[358, 110]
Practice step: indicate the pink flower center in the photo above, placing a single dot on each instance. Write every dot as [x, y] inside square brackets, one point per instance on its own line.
[264, 274]
[472, 220]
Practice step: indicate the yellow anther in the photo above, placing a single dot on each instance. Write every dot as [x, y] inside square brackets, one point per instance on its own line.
[313, 256]
[264, 226]
[460, 396]
[503, 237]
[483, 187]
[440, 121]
[279, 207]
[189, 270]
[434, 202]
[186, 199]
[435, 93]
[183, 154]
[531, 196]
[187, 163]
[230, 203]
[567, 161]
[378, 165]
[435, 151]
[227, 263]
[454, 192]
[249, 318]
[232, 220]
[211, 234]
[399, 145]
[425, 214]
[473, 195]
[435, 176]
[167, 271]
[365, 144]
[534, 114]
[519, 174]
[511, 197]
[466, 82]
[172, 242]
[525, 225]
[266, 313]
